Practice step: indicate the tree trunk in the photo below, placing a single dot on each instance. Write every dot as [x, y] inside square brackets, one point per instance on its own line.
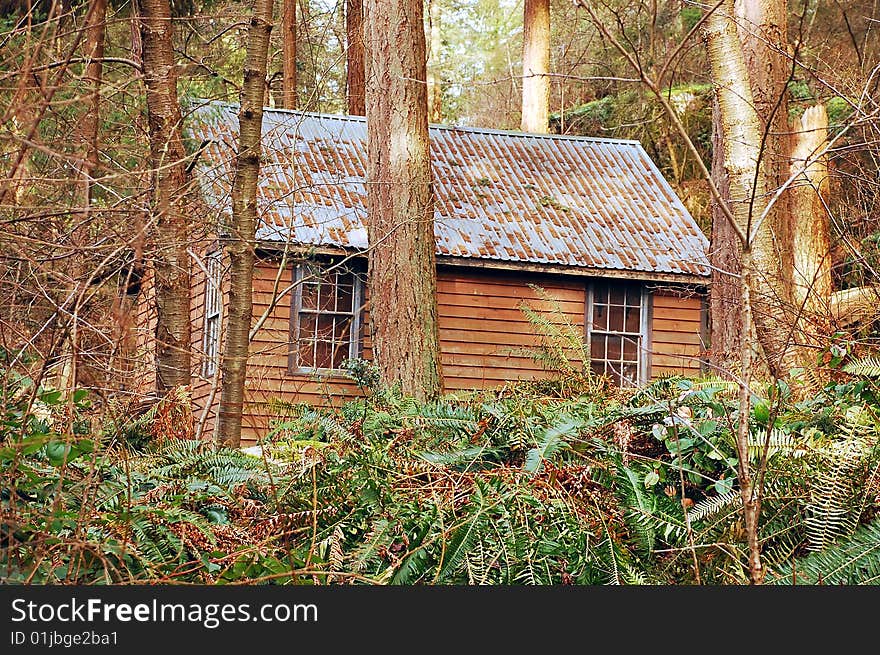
[435, 92]
[242, 239]
[400, 204]
[762, 30]
[354, 72]
[725, 302]
[741, 128]
[170, 181]
[741, 137]
[288, 53]
[536, 65]
[811, 241]
[94, 54]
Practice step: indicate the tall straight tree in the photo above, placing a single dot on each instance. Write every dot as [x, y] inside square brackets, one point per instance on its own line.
[435, 93]
[402, 277]
[242, 231]
[94, 50]
[354, 57]
[761, 29]
[536, 66]
[170, 182]
[288, 52]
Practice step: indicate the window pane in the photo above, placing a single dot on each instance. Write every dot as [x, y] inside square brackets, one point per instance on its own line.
[344, 297]
[341, 329]
[614, 350]
[617, 295]
[597, 347]
[309, 296]
[307, 353]
[598, 368]
[600, 317]
[631, 373]
[307, 326]
[323, 354]
[615, 318]
[340, 353]
[630, 350]
[327, 298]
[633, 314]
[325, 327]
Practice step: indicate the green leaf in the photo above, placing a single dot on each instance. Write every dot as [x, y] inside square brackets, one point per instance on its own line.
[57, 452]
[51, 397]
[762, 412]
[724, 485]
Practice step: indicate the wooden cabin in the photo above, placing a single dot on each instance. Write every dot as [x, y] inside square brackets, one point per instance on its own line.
[590, 221]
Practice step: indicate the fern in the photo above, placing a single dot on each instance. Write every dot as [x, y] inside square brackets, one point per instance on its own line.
[711, 506]
[833, 497]
[779, 442]
[866, 367]
[549, 443]
[464, 538]
[854, 560]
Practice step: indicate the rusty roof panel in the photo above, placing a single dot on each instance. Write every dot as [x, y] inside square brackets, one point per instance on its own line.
[573, 201]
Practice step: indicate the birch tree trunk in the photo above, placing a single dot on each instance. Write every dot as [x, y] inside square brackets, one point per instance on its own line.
[742, 141]
[400, 204]
[763, 32]
[354, 57]
[242, 239]
[170, 182]
[741, 129]
[536, 65]
[288, 52]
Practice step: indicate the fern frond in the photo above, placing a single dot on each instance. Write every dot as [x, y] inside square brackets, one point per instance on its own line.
[713, 505]
[550, 441]
[466, 535]
[854, 560]
[865, 367]
[834, 493]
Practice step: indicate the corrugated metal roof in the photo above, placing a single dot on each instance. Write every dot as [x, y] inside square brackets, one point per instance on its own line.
[509, 196]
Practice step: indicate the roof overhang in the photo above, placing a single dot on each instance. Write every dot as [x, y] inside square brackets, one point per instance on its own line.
[303, 250]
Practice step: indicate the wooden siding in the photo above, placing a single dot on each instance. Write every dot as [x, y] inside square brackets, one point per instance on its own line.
[485, 338]
[676, 331]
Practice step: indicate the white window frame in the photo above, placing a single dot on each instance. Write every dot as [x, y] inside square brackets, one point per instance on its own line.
[355, 342]
[213, 315]
[642, 337]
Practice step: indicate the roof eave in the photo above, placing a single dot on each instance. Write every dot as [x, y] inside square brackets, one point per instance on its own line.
[299, 249]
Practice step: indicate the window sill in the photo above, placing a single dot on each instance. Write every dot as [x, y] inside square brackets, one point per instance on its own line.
[320, 373]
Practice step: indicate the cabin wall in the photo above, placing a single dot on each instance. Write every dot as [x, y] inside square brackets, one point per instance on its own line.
[485, 338]
[677, 331]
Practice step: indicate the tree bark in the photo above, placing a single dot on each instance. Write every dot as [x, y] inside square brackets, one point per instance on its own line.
[400, 204]
[435, 92]
[169, 204]
[742, 144]
[536, 65]
[288, 53]
[354, 72]
[811, 240]
[762, 30]
[242, 231]
[741, 135]
[94, 54]
[725, 302]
